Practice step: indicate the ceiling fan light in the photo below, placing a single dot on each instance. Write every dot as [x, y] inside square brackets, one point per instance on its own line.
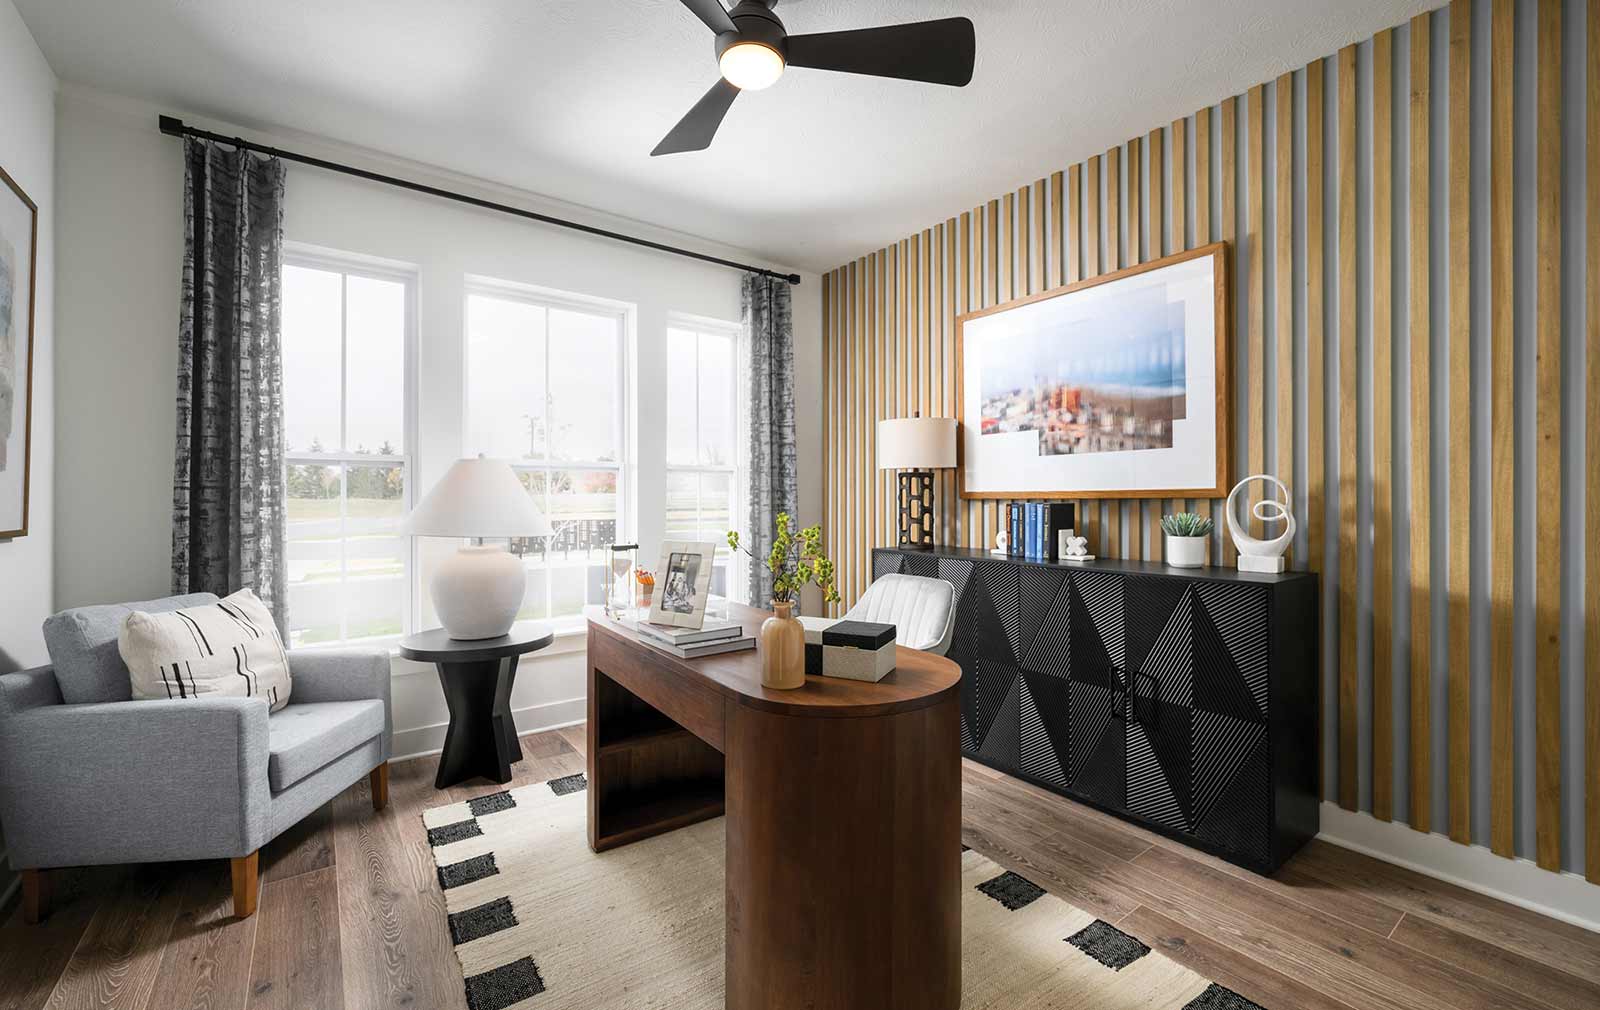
[751, 66]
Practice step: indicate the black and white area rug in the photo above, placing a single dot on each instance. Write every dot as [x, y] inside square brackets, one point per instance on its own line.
[541, 923]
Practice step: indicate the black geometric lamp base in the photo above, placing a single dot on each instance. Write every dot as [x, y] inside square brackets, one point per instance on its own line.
[916, 510]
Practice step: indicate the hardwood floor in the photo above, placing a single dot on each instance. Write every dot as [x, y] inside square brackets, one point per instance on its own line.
[350, 915]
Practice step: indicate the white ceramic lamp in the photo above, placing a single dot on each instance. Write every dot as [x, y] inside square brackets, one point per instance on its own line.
[478, 590]
[916, 446]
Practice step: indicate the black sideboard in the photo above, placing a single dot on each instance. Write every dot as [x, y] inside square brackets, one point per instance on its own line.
[1182, 699]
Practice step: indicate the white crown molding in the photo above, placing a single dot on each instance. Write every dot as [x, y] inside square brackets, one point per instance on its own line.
[1565, 896]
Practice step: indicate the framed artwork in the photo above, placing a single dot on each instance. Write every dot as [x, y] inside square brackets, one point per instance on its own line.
[683, 582]
[19, 234]
[1113, 387]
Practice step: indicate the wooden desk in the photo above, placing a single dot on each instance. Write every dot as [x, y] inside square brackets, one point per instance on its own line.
[843, 802]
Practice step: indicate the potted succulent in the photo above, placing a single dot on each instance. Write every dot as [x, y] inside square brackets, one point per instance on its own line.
[795, 561]
[1187, 535]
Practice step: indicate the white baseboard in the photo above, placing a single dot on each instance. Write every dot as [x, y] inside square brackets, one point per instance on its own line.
[1564, 896]
[423, 740]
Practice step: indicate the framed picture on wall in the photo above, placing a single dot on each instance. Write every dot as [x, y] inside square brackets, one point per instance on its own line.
[683, 583]
[1113, 387]
[19, 233]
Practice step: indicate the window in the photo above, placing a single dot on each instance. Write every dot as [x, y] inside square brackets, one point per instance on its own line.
[545, 391]
[347, 418]
[703, 475]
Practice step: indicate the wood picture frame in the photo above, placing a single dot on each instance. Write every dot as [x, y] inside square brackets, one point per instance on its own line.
[1215, 484]
[16, 352]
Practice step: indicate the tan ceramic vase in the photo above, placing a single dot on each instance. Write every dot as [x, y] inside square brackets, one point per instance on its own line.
[783, 649]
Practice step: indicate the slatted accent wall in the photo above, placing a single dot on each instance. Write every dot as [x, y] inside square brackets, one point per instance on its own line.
[1415, 231]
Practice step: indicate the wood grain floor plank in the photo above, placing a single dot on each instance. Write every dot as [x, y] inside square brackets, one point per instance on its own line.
[1197, 951]
[297, 962]
[1356, 963]
[32, 958]
[205, 964]
[1550, 986]
[1549, 941]
[392, 919]
[305, 847]
[115, 964]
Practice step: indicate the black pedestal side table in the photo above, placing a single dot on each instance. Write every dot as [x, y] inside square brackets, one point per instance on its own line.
[477, 676]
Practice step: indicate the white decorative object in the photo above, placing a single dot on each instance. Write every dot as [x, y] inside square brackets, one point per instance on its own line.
[1073, 547]
[1002, 544]
[478, 590]
[1186, 552]
[1262, 555]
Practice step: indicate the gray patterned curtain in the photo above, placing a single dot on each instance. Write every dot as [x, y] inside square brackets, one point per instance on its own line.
[228, 482]
[769, 335]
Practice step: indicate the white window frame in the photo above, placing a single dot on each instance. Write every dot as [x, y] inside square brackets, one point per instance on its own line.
[347, 265]
[623, 466]
[738, 469]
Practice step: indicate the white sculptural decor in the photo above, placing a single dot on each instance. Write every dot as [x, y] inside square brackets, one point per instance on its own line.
[1074, 547]
[1262, 555]
[1002, 544]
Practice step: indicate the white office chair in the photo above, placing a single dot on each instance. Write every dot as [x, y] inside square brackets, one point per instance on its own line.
[923, 611]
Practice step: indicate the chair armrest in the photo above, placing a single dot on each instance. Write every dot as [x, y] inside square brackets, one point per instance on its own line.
[343, 675]
[135, 781]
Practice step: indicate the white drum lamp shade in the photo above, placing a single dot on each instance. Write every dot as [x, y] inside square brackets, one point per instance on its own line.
[916, 446]
[916, 443]
[478, 591]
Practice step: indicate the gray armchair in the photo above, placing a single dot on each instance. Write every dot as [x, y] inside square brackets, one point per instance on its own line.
[91, 777]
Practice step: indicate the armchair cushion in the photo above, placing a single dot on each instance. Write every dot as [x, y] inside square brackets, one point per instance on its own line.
[83, 647]
[307, 735]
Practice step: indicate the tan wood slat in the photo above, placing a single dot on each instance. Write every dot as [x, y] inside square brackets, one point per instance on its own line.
[1502, 448]
[1547, 598]
[1058, 235]
[1202, 177]
[1074, 224]
[1178, 183]
[829, 384]
[888, 514]
[1316, 427]
[947, 330]
[1592, 529]
[973, 520]
[991, 291]
[1155, 189]
[860, 564]
[1460, 369]
[893, 282]
[1421, 754]
[928, 307]
[1382, 425]
[1256, 334]
[1038, 262]
[1091, 239]
[1226, 229]
[1113, 260]
[1349, 716]
[1012, 224]
[1135, 191]
[1283, 281]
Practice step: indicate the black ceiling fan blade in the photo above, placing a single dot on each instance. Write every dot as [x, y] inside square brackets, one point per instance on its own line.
[937, 52]
[712, 13]
[695, 130]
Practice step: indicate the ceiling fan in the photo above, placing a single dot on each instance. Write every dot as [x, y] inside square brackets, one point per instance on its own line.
[753, 48]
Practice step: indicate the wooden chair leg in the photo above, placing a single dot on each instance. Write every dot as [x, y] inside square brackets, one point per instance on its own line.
[379, 780]
[246, 886]
[35, 896]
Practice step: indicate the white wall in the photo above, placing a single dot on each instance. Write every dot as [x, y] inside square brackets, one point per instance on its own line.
[121, 184]
[27, 153]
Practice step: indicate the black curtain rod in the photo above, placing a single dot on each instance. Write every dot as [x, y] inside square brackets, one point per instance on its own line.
[174, 127]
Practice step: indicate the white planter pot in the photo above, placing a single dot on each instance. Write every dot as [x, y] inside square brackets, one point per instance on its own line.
[1186, 552]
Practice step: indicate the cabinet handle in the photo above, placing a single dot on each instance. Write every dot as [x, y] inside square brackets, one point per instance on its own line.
[1119, 693]
[1153, 696]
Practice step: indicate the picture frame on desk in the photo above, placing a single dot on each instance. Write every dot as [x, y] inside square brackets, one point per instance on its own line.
[683, 584]
[1113, 387]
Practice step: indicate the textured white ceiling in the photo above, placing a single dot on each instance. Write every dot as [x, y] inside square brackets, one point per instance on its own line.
[566, 98]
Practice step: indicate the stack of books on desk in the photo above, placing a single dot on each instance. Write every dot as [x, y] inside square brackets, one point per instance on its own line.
[692, 643]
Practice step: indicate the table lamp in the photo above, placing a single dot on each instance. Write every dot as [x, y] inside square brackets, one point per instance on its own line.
[478, 590]
[916, 446]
